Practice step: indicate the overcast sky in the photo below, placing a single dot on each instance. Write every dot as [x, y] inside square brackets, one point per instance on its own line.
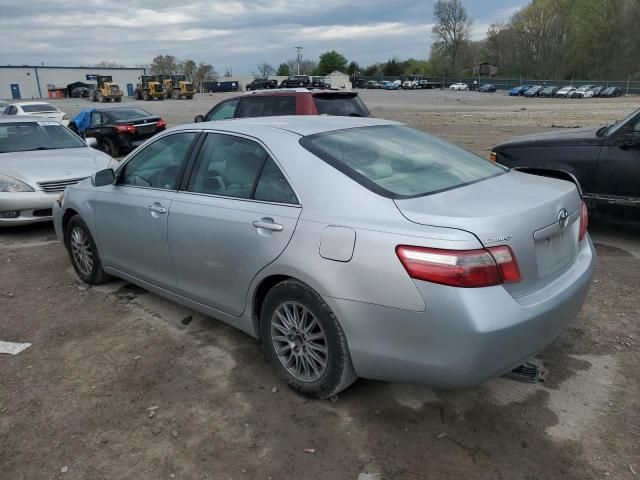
[239, 33]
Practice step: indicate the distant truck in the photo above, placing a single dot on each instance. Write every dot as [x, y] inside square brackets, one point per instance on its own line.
[106, 90]
[177, 87]
[411, 83]
[149, 88]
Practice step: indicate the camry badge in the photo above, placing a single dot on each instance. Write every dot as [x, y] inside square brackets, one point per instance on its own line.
[500, 238]
[563, 218]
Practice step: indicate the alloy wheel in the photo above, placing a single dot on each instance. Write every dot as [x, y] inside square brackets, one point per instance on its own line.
[81, 250]
[299, 341]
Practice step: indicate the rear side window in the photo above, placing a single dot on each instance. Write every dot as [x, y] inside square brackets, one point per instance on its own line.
[266, 106]
[340, 105]
[397, 161]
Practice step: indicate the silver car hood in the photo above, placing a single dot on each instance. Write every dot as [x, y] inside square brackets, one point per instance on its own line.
[47, 165]
[509, 210]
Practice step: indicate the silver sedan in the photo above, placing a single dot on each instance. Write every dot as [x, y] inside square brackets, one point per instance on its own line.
[349, 246]
[39, 158]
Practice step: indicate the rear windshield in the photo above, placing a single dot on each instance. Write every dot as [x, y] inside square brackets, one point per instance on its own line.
[128, 113]
[21, 137]
[39, 107]
[397, 161]
[340, 105]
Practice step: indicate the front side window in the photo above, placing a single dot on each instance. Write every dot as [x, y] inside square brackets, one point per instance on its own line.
[223, 111]
[44, 135]
[397, 161]
[237, 167]
[160, 164]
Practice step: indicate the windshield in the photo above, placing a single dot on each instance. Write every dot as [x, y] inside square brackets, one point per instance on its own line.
[340, 105]
[128, 113]
[614, 127]
[39, 107]
[397, 161]
[25, 136]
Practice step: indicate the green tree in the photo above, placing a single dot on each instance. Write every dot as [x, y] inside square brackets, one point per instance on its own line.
[353, 68]
[451, 28]
[330, 62]
[283, 70]
[164, 65]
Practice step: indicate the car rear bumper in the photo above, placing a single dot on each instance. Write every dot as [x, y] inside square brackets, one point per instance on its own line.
[32, 207]
[464, 336]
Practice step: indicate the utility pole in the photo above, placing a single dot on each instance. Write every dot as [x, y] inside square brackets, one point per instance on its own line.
[299, 58]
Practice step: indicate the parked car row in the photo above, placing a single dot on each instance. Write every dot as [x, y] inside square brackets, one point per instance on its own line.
[585, 91]
[300, 81]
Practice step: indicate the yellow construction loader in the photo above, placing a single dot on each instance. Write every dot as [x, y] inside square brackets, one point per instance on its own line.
[149, 88]
[176, 87]
[106, 90]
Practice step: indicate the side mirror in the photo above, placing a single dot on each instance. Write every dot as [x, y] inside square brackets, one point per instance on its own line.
[198, 119]
[630, 139]
[103, 177]
[91, 142]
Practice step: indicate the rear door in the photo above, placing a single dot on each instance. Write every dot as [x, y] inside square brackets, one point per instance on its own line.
[233, 217]
[96, 128]
[618, 177]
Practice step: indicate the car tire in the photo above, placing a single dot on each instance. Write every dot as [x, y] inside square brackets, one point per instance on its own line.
[118, 99]
[109, 147]
[84, 253]
[317, 362]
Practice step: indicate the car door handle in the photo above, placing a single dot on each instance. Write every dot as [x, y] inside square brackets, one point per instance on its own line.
[267, 225]
[155, 208]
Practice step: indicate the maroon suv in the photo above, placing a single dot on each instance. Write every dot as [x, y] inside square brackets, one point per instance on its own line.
[299, 101]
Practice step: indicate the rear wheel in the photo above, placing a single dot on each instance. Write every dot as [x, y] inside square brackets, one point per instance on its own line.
[84, 253]
[109, 147]
[304, 341]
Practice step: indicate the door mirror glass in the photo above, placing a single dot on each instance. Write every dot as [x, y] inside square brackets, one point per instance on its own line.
[103, 177]
[198, 119]
[630, 139]
[91, 142]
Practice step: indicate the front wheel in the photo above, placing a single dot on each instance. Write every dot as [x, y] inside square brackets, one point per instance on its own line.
[83, 252]
[109, 147]
[304, 341]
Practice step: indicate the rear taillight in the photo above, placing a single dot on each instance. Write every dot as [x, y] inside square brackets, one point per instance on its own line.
[584, 221]
[124, 128]
[460, 268]
[161, 123]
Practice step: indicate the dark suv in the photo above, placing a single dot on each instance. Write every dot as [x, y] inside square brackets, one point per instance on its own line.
[296, 81]
[288, 102]
[261, 84]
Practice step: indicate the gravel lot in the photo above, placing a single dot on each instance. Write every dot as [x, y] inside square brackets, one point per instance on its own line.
[119, 383]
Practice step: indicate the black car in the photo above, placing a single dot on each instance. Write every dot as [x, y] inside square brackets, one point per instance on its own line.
[603, 162]
[611, 92]
[549, 91]
[261, 84]
[296, 81]
[80, 92]
[534, 91]
[119, 129]
[598, 90]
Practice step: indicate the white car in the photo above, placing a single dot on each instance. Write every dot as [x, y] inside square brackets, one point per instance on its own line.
[565, 92]
[38, 109]
[459, 86]
[39, 158]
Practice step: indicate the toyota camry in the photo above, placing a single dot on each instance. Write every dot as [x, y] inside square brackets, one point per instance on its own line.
[351, 247]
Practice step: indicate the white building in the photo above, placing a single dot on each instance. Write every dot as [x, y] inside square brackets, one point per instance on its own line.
[29, 81]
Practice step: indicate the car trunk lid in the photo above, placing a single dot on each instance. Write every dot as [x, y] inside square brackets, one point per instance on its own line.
[145, 127]
[514, 209]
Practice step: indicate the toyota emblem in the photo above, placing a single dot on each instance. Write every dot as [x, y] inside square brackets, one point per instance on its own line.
[563, 218]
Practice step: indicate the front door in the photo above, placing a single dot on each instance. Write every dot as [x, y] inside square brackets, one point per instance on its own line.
[15, 91]
[235, 216]
[131, 215]
[618, 177]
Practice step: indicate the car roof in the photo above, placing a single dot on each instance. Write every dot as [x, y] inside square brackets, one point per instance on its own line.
[25, 119]
[299, 90]
[20, 104]
[302, 125]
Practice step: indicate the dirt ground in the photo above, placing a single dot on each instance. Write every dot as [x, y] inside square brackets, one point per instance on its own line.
[120, 383]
